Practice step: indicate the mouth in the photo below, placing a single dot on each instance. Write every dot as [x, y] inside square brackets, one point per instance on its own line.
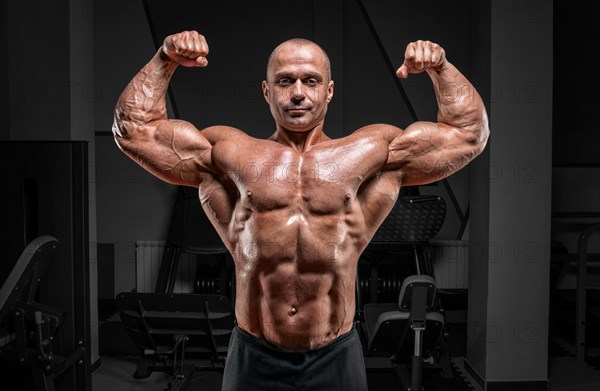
[297, 111]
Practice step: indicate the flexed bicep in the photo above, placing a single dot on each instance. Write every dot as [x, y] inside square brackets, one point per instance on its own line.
[172, 150]
[426, 152]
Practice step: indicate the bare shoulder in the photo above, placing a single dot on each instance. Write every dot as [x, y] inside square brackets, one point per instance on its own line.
[218, 133]
[382, 131]
[230, 139]
[232, 147]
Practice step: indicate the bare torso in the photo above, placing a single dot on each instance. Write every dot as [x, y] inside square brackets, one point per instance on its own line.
[295, 224]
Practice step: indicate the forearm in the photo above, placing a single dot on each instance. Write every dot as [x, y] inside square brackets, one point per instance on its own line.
[144, 99]
[459, 103]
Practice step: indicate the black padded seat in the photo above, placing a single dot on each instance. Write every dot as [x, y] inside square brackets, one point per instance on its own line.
[407, 333]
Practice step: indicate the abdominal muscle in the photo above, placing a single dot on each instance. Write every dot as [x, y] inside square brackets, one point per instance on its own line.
[295, 279]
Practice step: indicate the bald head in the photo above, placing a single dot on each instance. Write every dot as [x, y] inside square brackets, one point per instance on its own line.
[297, 44]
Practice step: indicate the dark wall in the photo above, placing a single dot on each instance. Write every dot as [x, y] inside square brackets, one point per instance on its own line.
[576, 135]
[38, 61]
[4, 76]
[576, 145]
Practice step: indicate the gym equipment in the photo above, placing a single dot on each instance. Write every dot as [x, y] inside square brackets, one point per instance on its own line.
[404, 234]
[583, 284]
[177, 333]
[45, 192]
[583, 264]
[392, 329]
[191, 232]
[29, 329]
[398, 311]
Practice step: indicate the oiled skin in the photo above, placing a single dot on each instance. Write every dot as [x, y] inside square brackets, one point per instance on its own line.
[296, 210]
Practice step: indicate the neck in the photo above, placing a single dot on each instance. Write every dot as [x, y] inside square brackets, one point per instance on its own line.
[300, 141]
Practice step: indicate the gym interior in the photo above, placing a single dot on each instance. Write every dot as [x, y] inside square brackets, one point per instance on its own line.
[114, 280]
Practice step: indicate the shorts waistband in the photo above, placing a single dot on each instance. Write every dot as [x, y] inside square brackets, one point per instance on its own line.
[246, 336]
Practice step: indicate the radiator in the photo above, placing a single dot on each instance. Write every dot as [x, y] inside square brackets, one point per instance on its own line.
[450, 263]
[148, 257]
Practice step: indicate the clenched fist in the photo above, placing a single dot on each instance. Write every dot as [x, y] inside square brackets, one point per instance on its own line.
[420, 56]
[187, 48]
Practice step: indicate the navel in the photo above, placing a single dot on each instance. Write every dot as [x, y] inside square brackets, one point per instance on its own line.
[292, 311]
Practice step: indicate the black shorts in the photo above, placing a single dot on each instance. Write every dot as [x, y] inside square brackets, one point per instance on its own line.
[253, 365]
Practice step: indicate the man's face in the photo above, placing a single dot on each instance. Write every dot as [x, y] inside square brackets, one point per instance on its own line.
[298, 88]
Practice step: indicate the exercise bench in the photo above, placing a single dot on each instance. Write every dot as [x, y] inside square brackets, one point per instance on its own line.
[177, 334]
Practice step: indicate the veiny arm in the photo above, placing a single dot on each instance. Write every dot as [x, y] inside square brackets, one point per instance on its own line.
[173, 150]
[429, 151]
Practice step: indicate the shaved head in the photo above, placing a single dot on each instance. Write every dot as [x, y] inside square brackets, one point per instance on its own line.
[298, 86]
[298, 43]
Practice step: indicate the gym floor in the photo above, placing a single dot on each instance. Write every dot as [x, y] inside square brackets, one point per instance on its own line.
[115, 374]
[118, 361]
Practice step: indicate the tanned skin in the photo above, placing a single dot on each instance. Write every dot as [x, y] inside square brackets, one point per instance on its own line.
[296, 210]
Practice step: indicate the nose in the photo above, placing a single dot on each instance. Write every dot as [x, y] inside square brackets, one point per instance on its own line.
[297, 93]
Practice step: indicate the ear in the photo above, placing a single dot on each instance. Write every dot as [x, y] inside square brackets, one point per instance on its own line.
[330, 91]
[265, 90]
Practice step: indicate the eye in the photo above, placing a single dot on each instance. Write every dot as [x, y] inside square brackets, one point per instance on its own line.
[285, 82]
[311, 82]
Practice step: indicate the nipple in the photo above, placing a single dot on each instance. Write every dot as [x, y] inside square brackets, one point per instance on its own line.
[292, 311]
[249, 193]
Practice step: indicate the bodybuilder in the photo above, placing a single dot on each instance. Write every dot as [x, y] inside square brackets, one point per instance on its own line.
[297, 209]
